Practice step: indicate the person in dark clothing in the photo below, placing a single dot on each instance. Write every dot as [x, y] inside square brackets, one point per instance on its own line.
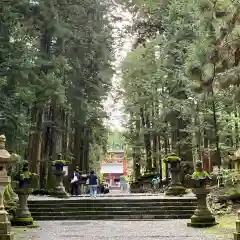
[75, 182]
[93, 184]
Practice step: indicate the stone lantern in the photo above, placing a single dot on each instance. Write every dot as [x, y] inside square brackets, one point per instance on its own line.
[199, 182]
[5, 225]
[175, 187]
[59, 190]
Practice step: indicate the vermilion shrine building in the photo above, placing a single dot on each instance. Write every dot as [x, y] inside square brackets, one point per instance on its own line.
[113, 167]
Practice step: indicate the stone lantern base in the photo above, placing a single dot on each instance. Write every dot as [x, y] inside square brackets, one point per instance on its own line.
[5, 227]
[9, 236]
[236, 236]
[27, 221]
[202, 216]
[60, 192]
[202, 221]
[23, 216]
[175, 190]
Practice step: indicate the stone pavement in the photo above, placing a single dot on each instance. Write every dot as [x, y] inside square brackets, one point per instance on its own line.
[115, 230]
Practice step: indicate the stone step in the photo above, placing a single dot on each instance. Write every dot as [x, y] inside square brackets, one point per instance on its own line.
[155, 207]
[101, 205]
[111, 217]
[116, 212]
[52, 209]
[113, 200]
[119, 195]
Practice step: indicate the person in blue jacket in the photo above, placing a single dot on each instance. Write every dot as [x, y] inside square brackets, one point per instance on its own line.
[92, 184]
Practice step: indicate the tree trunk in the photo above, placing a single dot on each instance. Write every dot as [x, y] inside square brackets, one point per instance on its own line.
[185, 143]
[159, 158]
[36, 140]
[66, 131]
[53, 110]
[81, 149]
[76, 151]
[137, 157]
[86, 154]
[236, 128]
[147, 139]
[155, 152]
[155, 142]
[174, 135]
[218, 153]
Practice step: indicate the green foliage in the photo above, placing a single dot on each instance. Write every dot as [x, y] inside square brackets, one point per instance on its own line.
[115, 140]
[56, 71]
[180, 80]
[230, 177]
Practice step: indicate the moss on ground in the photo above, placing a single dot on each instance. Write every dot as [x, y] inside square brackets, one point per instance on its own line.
[225, 228]
[27, 221]
[19, 229]
[21, 232]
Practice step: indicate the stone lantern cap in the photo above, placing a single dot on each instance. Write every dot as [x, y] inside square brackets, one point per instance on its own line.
[4, 154]
[172, 158]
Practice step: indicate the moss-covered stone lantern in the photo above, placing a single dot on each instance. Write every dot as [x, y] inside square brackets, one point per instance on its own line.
[25, 183]
[5, 225]
[59, 190]
[175, 187]
[199, 182]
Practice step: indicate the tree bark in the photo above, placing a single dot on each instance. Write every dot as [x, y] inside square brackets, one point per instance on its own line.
[36, 139]
[147, 140]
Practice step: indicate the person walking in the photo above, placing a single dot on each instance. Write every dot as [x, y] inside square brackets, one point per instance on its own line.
[154, 183]
[93, 184]
[75, 182]
[122, 183]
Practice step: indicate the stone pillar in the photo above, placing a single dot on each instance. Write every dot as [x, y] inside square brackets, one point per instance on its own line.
[175, 187]
[202, 216]
[236, 235]
[5, 225]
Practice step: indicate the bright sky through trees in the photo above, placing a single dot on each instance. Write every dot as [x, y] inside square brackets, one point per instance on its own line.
[123, 43]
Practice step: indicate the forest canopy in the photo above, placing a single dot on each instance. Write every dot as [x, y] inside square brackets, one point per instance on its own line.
[56, 68]
[180, 81]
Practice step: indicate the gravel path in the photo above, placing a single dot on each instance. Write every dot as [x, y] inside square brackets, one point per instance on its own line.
[115, 230]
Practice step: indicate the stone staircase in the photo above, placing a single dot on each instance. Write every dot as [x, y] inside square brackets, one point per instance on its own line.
[113, 208]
